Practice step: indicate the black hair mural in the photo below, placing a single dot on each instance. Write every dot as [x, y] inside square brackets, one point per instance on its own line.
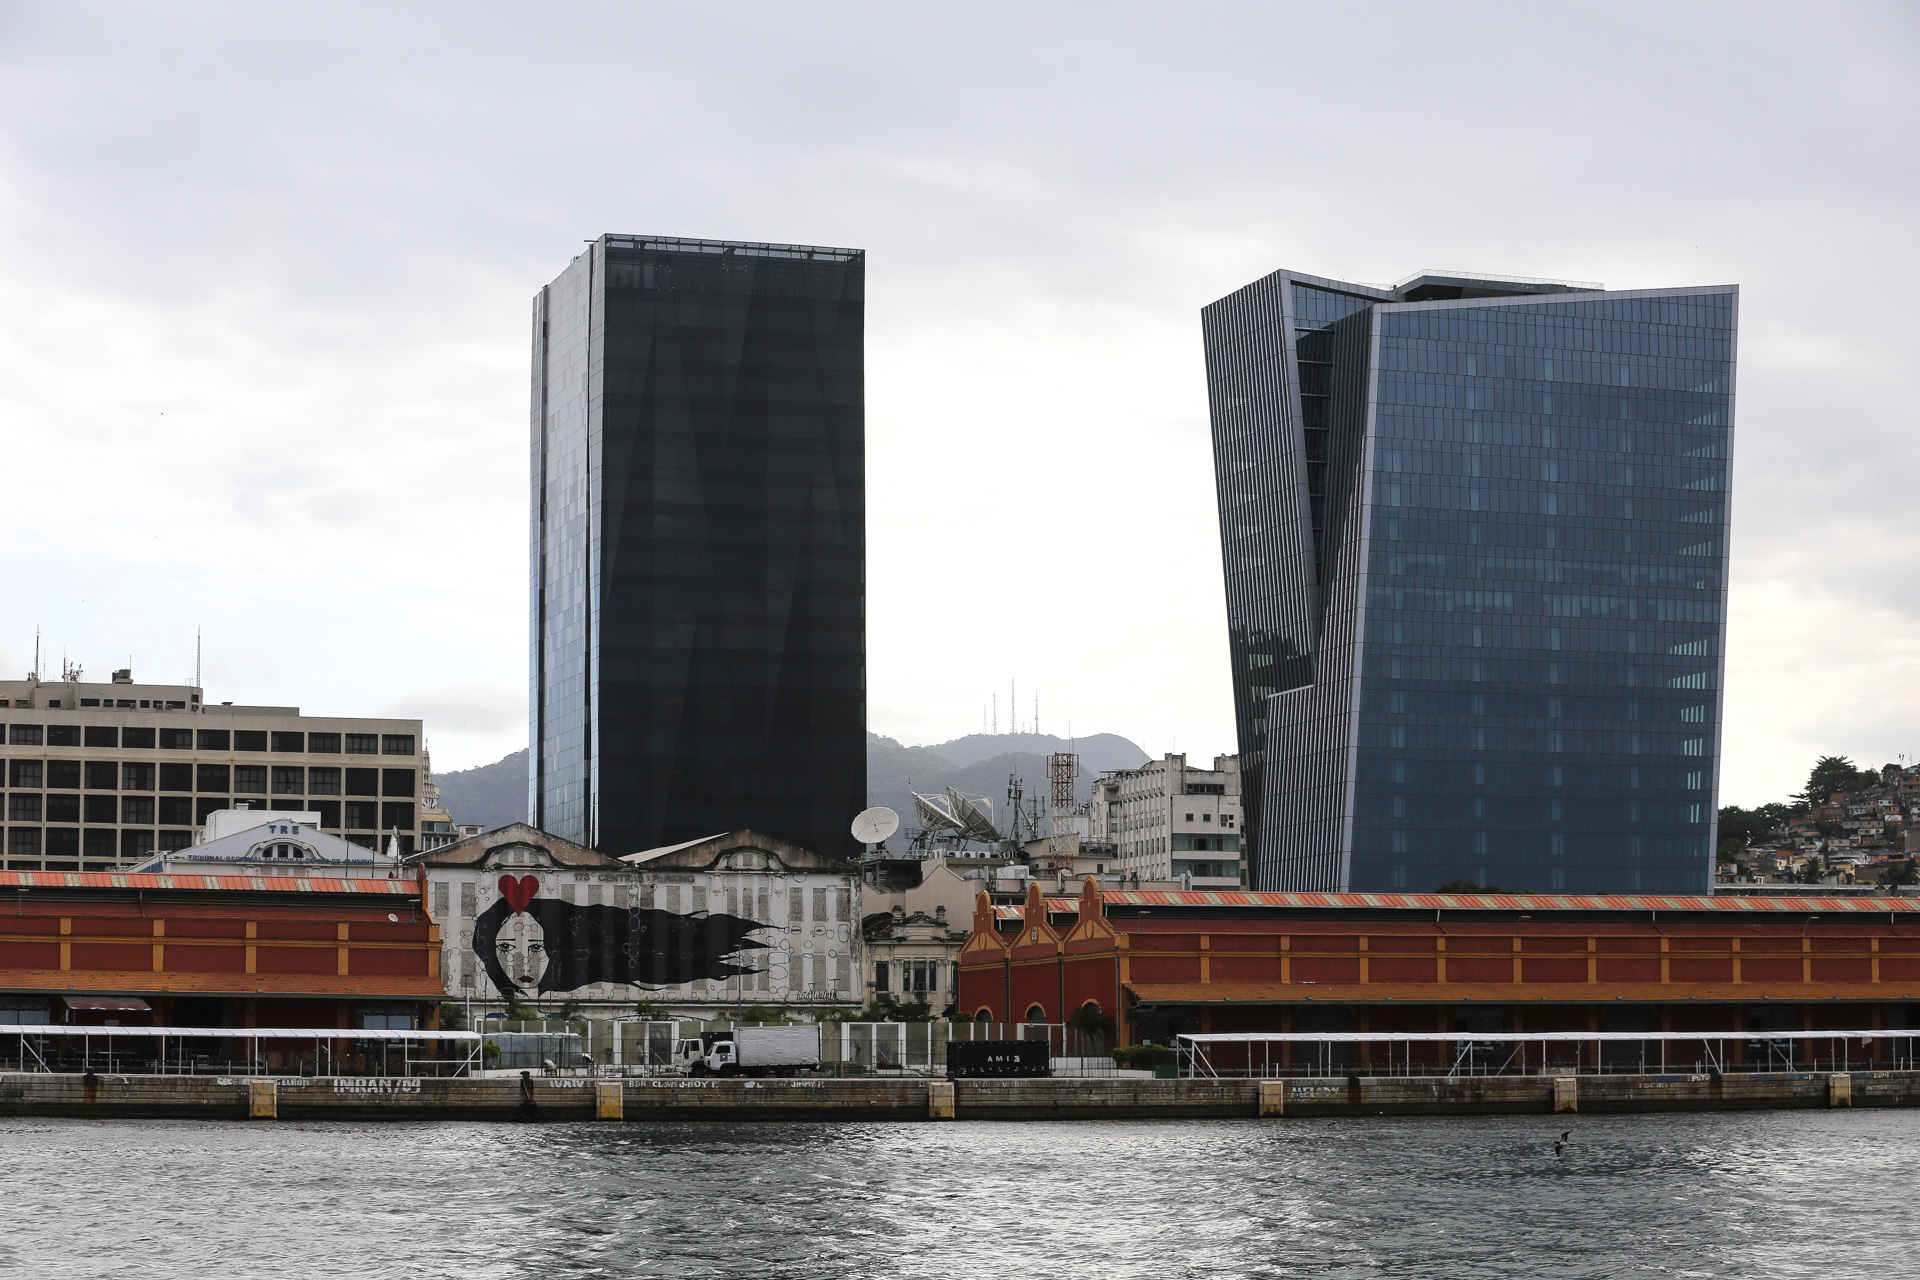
[640, 946]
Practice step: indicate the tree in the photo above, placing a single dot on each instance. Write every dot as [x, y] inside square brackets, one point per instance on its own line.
[1813, 871]
[1090, 1022]
[1902, 871]
[453, 1017]
[1748, 825]
[1836, 773]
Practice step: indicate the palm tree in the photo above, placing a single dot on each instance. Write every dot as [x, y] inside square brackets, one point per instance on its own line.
[1092, 1024]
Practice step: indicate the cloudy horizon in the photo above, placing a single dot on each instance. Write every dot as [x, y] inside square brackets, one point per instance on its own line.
[271, 270]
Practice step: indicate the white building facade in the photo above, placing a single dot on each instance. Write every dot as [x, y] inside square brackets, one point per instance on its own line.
[1168, 820]
[701, 929]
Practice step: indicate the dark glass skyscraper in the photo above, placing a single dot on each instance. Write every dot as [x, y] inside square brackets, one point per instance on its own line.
[1475, 535]
[699, 544]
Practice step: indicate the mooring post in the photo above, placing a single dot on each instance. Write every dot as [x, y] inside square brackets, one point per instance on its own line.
[1840, 1089]
[1273, 1098]
[263, 1099]
[940, 1100]
[609, 1099]
[1566, 1093]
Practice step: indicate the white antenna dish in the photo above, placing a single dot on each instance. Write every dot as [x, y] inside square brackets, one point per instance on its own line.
[874, 825]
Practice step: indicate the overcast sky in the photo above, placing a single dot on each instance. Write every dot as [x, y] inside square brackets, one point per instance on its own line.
[267, 270]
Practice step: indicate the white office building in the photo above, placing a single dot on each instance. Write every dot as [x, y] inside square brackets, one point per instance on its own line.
[1167, 820]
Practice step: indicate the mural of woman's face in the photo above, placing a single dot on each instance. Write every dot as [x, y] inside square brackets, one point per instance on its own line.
[522, 949]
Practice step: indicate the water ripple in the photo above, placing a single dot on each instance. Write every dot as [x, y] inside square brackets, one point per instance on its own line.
[1798, 1194]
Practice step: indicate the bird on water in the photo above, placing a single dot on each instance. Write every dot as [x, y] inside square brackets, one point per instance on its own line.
[1561, 1143]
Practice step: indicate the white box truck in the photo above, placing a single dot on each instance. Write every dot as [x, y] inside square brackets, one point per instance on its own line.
[753, 1051]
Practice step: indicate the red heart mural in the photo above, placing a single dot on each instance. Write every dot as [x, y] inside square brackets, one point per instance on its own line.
[519, 890]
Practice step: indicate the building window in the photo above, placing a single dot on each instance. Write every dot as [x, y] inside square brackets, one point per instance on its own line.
[363, 815]
[213, 740]
[99, 843]
[103, 809]
[176, 777]
[396, 744]
[63, 842]
[140, 739]
[63, 735]
[23, 807]
[103, 775]
[363, 782]
[323, 781]
[176, 811]
[396, 782]
[136, 844]
[323, 744]
[386, 1016]
[136, 811]
[23, 735]
[249, 740]
[289, 780]
[395, 814]
[363, 744]
[102, 735]
[294, 742]
[329, 811]
[63, 809]
[136, 777]
[176, 739]
[250, 779]
[880, 975]
[24, 773]
[204, 805]
[174, 841]
[64, 775]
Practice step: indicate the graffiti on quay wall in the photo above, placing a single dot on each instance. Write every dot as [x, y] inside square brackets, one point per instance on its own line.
[531, 945]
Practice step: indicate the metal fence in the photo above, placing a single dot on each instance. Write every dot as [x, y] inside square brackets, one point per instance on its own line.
[1380, 1053]
[591, 1046]
[251, 1051]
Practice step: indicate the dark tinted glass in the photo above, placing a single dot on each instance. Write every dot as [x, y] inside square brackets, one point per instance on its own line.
[102, 735]
[323, 744]
[137, 738]
[249, 740]
[698, 545]
[213, 740]
[289, 741]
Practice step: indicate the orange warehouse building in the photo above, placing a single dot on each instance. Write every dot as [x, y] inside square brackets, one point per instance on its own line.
[1167, 963]
[216, 951]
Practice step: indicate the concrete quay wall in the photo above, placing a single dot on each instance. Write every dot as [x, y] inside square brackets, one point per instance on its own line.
[356, 1098]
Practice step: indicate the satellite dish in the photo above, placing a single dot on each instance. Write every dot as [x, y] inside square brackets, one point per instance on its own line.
[875, 825]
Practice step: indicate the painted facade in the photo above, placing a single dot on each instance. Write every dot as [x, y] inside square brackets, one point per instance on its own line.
[716, 924]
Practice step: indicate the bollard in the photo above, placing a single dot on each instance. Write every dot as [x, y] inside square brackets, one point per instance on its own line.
[1566, 1094]
[263, 1099]
[609, 1100]
[940, 1100]
[1273, 1098]
[1839, 1090]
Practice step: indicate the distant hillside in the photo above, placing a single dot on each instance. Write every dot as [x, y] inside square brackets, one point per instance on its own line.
[978, 765]
[491, 794]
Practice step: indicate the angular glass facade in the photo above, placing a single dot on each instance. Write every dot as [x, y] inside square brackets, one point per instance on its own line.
[1475, 536]
[699, 544]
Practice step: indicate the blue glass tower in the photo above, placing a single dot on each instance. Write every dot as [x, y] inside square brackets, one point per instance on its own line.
[698, 556]
[1475, 541]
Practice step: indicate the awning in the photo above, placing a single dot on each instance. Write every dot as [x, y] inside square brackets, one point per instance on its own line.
[106, 1004]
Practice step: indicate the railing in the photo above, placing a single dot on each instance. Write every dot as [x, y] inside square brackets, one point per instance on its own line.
[637, 1047]
[1460, 1053]
[251, 1051]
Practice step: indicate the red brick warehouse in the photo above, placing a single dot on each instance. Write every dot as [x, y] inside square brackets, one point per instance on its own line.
[1166, 963]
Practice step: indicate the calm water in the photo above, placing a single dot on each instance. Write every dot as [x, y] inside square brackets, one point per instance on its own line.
[1808, 1194]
